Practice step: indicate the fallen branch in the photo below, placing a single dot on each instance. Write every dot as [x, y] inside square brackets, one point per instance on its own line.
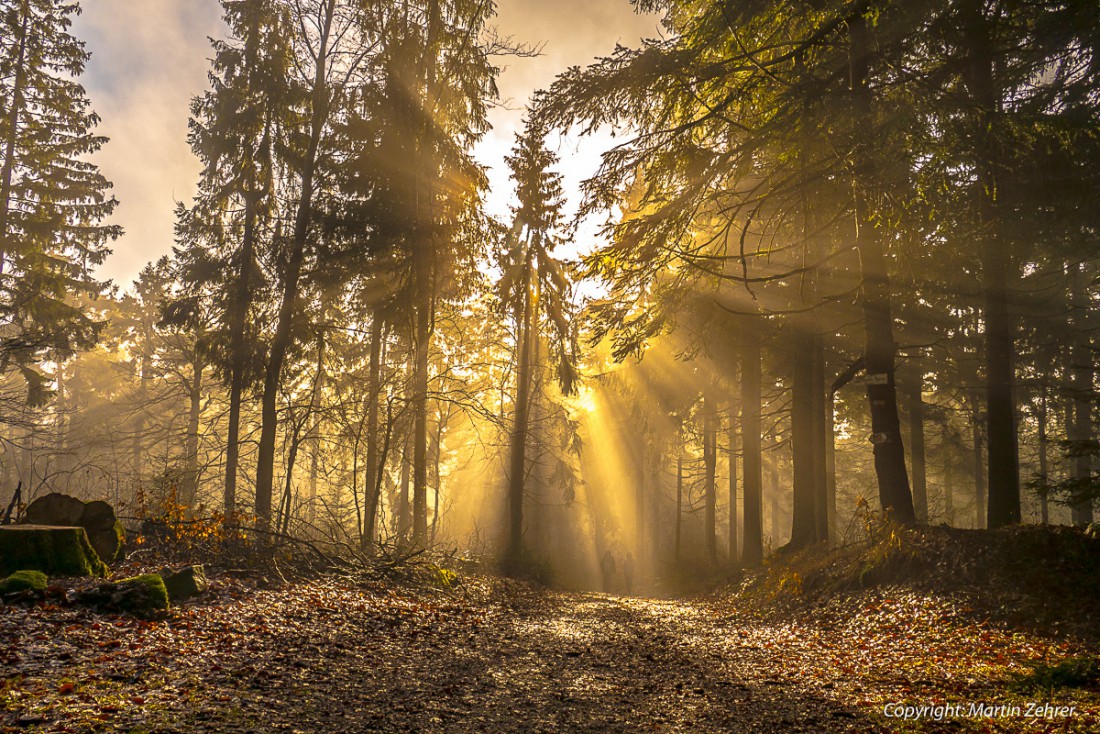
[15, 499]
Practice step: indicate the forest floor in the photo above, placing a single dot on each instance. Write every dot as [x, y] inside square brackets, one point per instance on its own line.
[492, 655]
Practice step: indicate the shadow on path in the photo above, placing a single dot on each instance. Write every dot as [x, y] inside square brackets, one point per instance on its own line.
[580, 663]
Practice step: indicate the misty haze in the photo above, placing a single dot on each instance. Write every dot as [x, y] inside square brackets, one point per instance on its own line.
[608, 366]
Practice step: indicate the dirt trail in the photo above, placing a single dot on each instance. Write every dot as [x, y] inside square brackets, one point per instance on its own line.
[594, 663]
[324, 657]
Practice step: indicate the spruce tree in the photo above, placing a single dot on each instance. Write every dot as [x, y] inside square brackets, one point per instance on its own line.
[52, 198]
[235, 127]
[534, 285]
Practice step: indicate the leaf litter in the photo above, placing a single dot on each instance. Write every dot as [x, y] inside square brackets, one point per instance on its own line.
[334, 655]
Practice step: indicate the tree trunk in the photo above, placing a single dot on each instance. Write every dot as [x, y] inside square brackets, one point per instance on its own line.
[280, 343]
[777, 521]
[1044, 471]
[138, 445]
[1081, 512]
[948, 476]
[518, 463]
[404, 507]
[61, 426]
[979, 464]
[314, 434]
[288, 483]
[1004, 472]
[879, 353]
[355, 499]
[1082, 370]
[537, 517]
[810, 485]
[830, 469]
[314, 470]
[371, 510]
[732, 437]
[191, 450]
[679, 497]
[916, 444]
[373, 468]
[821, 433]
[656, 492]
[437, 459]
[752, 552]
[420, 407]
[710, 436]
[803, 519]
[238, 357]
[640, 489]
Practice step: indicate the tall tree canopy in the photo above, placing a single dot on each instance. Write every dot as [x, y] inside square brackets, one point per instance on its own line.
[53, 200]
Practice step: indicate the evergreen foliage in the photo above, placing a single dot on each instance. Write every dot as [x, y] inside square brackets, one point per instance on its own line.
[52, 198]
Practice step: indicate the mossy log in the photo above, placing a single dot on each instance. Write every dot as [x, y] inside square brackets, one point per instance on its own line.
[23, 581]
[143, 596]
[53, 550]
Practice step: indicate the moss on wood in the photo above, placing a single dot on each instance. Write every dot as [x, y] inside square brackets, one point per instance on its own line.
[142, 596]
[23, 581]
[155, 596]
[55, 551]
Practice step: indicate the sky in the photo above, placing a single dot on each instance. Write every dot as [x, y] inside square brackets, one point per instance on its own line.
[150, 57]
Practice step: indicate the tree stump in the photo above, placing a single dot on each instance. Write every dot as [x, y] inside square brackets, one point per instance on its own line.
[55, 551]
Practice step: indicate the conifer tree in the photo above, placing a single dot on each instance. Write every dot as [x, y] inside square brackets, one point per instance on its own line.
[52, 198]
[437, 80]
[235, 127]
[534, 286]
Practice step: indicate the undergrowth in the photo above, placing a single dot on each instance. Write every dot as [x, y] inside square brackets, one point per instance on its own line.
[1039, 576]
[1075, 672]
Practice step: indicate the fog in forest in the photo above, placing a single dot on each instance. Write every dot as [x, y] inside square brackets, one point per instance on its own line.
[824, 272]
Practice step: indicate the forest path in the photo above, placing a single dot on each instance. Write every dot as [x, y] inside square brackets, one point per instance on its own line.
[561, 662]
[499, 656]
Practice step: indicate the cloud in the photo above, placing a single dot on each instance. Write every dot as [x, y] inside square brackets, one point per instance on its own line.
[569, 32]
[149, 58]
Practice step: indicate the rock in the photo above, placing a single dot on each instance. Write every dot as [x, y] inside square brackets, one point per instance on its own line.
[98, 519]
[97, 513]
[23, 581]
[54, 509]
[55, 551]
[185, 583]
[142, 596]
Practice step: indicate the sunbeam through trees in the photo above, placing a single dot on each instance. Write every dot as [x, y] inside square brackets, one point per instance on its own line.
[827, 300]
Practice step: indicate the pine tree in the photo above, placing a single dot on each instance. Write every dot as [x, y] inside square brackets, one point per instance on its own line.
[52, 199]
[436, 81]
[534, 285]
[235, 128]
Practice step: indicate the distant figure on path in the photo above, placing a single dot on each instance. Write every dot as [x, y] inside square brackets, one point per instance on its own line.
[607, 567]
[628, 572]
